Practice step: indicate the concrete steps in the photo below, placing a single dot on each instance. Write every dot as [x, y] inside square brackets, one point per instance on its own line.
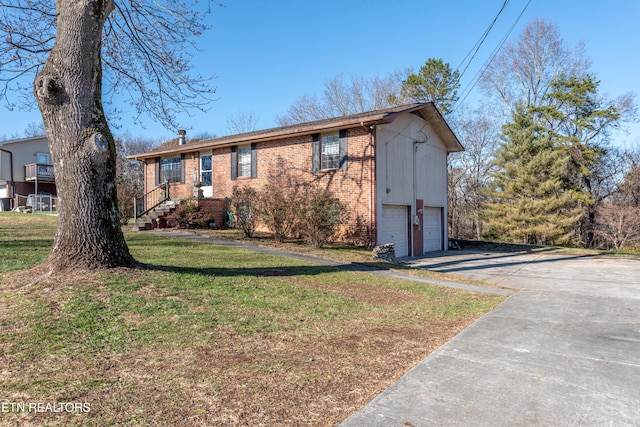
[149, 221]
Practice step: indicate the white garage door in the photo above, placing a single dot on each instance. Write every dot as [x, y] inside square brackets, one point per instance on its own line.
[394, 228]
[432, 219]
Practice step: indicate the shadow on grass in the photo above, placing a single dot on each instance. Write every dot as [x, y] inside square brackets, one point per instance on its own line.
[284, 271]
[17, 243]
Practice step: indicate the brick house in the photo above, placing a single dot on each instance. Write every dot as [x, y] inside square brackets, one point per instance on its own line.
[389, 166]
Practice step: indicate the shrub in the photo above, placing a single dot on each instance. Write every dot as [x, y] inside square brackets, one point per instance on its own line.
[319, 214]
[357, 233]
[192, 213]
[278, 201]
[126, 193]
[243, 202]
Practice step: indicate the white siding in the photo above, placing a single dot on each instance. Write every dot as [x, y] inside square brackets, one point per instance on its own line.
[411, 163]
[24, 152]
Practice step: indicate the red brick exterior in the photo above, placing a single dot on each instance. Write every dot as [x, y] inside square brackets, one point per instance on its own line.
[355, 186]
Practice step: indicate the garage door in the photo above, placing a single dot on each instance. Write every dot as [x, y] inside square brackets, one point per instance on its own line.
[432, 219]
[395, 228]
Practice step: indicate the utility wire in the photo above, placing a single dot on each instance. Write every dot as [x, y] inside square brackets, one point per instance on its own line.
[484, 67]
[480, 41]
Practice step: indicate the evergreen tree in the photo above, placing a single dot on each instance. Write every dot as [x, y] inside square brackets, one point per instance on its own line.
[435, 82]
[530, 200]
[580, 121]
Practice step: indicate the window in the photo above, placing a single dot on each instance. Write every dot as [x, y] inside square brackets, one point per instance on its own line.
[244, 161]
[205, 170]
[329, 151]
[171, 170]
[43, 158]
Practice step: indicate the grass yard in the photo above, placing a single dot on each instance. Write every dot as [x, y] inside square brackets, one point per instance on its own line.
[208, 335]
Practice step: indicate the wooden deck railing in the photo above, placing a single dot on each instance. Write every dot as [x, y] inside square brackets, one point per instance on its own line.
[39, 171]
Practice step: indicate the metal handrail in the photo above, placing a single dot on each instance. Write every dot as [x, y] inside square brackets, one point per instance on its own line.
[154, 197]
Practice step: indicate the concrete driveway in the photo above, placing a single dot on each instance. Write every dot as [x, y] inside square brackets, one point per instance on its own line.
[563, 351]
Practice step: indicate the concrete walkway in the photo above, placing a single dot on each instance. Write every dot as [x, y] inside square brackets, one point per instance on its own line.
[564, 351]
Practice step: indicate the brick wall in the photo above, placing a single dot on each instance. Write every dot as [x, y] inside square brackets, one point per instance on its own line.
[217, 207]
[176, 189]
[353, 186]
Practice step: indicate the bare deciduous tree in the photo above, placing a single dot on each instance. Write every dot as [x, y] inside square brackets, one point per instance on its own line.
[617, 225]
[138, 49]
[618, 216]
[524, 70]
[34, 129]
[31, 130]
[244, 121]
[130, 173]
[469, 172]
[342, 96]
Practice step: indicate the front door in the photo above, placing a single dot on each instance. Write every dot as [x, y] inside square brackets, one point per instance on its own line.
[205, 175]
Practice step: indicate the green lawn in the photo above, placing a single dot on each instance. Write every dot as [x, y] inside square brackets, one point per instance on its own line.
[25, 239]
[208, 335]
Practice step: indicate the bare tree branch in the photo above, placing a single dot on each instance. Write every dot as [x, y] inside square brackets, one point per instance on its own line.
[147, 47]
[342, 96]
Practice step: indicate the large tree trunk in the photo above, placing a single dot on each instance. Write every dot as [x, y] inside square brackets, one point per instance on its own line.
[69, 94]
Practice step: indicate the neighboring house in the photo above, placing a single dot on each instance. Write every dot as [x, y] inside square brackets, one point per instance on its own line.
[25, 168]
[388, 166]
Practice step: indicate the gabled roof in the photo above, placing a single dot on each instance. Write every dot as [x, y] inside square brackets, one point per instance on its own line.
[426, 110]
[20, 140]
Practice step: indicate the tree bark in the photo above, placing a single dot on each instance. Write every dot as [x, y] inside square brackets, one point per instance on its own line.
[69, 93]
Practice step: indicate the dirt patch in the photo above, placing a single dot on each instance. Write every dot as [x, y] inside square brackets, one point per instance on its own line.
[239, 380]
[312, 381]
[316, 375]
[364, 293]
[41, 278]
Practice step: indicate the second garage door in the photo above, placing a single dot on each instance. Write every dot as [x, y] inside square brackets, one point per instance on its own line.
[395, 228]
[432, 220]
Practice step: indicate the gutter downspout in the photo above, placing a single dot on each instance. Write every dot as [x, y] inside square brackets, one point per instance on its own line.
[414, 213]
[415, 207]
[11, 172]
[372, 187]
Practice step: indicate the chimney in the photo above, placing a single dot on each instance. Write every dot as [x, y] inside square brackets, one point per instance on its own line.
[182, 138]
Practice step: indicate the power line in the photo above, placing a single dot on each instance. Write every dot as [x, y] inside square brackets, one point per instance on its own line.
[484, 67]
[480, 41]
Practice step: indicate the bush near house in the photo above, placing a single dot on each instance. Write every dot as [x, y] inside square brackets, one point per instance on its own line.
[244, 203]
[194, 213]
[357, 233]
[320, 214]
[307, 210]
[278, 201]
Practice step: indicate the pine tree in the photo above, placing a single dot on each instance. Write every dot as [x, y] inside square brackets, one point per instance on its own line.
[580, 121]
[530, 201]
[435, 82]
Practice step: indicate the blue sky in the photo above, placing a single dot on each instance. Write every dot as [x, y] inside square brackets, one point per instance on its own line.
[266, 54]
